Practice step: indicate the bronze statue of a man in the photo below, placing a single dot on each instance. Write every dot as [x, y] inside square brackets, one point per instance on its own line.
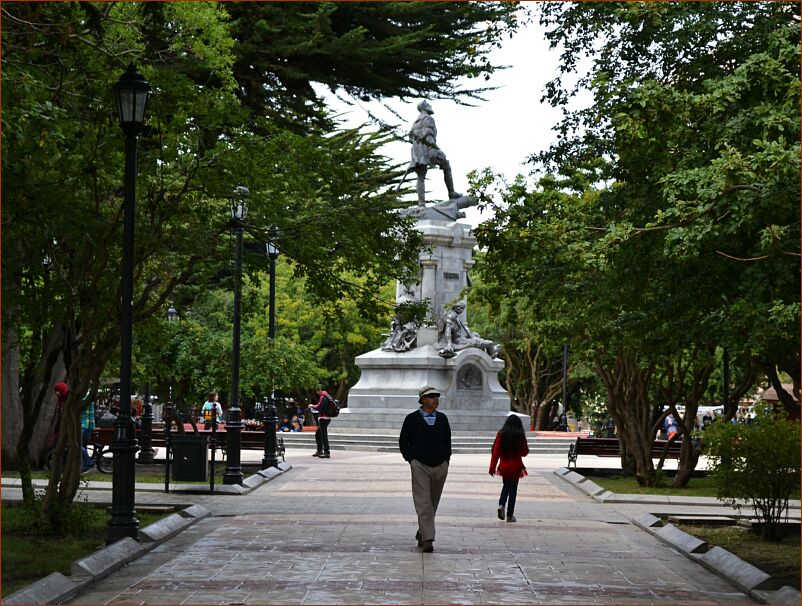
[425, 153]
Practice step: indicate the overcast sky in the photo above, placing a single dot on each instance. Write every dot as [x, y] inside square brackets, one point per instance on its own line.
[499, 133]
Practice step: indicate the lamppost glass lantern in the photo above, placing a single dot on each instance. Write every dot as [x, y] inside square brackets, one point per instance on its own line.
[172, 314]
[239, 203]
[270, 246]
[132, 95]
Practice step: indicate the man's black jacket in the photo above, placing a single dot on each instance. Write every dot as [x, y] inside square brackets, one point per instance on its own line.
[429, 444]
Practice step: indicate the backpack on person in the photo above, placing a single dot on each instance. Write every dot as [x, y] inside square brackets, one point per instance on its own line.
[333, 407]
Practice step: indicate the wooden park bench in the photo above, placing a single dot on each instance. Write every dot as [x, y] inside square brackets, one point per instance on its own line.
[611, 447]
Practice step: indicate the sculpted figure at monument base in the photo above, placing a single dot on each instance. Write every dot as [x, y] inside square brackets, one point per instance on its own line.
[404, 336]
[453, 335]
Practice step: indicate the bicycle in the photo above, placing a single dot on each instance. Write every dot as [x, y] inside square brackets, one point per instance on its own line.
[103, 458]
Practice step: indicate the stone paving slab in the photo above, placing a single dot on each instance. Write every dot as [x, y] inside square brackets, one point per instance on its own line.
[341, 531]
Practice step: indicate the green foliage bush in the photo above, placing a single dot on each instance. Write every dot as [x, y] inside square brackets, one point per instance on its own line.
[413, 311]
[757, 462]
[76, 519]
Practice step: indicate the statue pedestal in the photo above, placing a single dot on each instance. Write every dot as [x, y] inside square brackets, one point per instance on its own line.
[387, 390]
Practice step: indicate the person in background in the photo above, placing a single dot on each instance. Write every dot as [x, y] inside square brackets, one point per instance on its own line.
[211, 410]
[87, 427]
[296, 425]
[506, 461]
[285, 424]
[108, 417]
[61, 391]
[299, 411]
[670, 424]
[323, 420]
[425, 443]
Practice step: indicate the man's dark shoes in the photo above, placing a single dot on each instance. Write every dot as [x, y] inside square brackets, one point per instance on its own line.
[418, 539]
[427, 547]
[500, 512]
[325, 455]
[318, 454]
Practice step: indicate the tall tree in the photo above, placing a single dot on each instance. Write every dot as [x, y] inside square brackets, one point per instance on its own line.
[665, 225]
[62, 163]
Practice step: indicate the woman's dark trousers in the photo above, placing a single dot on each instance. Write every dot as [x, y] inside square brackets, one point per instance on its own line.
[509, 491]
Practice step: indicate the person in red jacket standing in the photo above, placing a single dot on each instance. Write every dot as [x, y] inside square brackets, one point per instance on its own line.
[508, 449]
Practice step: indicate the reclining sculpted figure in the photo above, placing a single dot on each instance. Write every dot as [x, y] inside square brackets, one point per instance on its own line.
[453, 335]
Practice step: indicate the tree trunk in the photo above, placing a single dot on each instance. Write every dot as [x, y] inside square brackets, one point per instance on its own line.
[689, 458]
[35, 406]
[12, 405]
[627, 386]
[786, 399]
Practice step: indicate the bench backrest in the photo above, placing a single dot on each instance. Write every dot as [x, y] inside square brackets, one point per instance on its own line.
[601, 446]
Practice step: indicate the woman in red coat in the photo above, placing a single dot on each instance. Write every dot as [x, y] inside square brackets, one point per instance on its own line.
[508, 450]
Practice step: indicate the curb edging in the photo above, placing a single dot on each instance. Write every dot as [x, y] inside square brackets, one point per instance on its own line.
[57, 588]
[717, 560]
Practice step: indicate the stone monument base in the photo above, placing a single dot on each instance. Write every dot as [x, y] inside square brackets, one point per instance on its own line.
[387, 390]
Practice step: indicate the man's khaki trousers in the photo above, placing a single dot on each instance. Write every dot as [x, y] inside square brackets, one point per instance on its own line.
[427, 486]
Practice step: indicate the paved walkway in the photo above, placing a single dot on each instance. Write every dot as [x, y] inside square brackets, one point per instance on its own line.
[341, 531]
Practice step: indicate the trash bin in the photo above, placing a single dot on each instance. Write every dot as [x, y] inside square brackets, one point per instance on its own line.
[190, 458]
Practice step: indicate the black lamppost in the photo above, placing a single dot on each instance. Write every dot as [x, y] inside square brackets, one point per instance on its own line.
[132, 95]
[169, 412]
[147, 452]
[233, 472]
[270, 458]
[272, 254]
[562, 421]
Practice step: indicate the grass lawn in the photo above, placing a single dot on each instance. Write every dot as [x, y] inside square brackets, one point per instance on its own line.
[24, 544]
[780, 559]
[697, 487]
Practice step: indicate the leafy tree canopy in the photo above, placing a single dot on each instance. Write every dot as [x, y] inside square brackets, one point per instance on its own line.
[664, 222]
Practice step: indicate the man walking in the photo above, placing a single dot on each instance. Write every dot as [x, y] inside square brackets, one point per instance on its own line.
[425, 443]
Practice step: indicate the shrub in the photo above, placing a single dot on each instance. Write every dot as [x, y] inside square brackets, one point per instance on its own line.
[595, 411]
[758, 462]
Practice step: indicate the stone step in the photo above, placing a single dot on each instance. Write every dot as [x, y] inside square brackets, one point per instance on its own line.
[390, 436]
[460, 444]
